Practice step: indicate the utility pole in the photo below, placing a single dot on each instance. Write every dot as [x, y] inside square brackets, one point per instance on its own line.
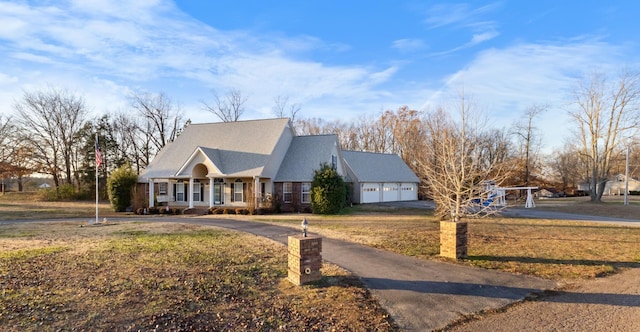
[626, 178]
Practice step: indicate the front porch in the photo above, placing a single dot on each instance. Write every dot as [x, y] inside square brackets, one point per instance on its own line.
[209, 192]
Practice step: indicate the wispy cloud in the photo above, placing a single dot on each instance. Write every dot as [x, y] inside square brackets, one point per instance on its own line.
[463, 16]
[507, 81]
[118, 45]
[408, 45]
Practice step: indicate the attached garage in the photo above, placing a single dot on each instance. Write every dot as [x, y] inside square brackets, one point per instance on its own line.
[380, 177]
[390, 192]
[370, 193]
[409, 192]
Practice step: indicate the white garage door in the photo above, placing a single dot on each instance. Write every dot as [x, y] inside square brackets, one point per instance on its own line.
[390, 192]
[409, 192]
[370, 193]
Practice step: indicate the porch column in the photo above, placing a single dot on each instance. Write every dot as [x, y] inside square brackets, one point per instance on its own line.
[191, 193]
[211, 202]
[151, 193]
[256, 190]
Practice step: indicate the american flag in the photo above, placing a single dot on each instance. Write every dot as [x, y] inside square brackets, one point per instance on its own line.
[98, 154]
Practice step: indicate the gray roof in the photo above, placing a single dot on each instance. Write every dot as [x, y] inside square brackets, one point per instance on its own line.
[236, 148]
[378, 167]
[306, 154]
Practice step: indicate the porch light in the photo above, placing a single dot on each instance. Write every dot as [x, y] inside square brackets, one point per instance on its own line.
[305, 226]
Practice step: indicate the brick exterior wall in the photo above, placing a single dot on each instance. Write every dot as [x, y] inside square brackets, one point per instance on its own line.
[296, 204]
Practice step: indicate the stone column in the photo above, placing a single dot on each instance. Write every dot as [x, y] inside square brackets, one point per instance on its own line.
[453, 239]
[305, 259]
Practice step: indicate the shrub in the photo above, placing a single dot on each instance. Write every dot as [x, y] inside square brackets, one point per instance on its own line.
[328, 191]
[64, 192]
[120, 185]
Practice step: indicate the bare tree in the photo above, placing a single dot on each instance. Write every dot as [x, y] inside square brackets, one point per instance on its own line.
[452, 166]
[229, 108]
[161, 119]
[409, 135]
[567, 167]
[7, 142]
[51, 120]
[283, 109]
[604, 114]
[529, 141]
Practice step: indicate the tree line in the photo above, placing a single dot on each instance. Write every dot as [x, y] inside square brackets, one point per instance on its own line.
[52, 133]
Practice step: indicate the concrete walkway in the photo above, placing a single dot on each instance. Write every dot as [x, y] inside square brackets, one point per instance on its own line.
[421, 295]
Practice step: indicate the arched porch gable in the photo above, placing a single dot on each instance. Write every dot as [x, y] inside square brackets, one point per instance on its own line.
[195, 163]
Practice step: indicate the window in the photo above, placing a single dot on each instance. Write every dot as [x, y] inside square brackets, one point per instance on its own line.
[197, 191]
[287, 192]
[218, 189]
[180, 191]
[334, 162]
[238, 187]
[306, 192]
[162, 188]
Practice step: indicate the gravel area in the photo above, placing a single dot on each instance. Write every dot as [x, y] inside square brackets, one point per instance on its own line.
[604, 304]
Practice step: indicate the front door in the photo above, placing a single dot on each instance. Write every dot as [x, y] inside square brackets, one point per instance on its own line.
[218, 189]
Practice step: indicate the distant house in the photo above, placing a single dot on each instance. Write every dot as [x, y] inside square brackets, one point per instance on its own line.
[548, 193]
[238, 164]
[614, 186]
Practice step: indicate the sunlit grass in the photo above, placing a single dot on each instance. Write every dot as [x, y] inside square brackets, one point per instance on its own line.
[150, 276]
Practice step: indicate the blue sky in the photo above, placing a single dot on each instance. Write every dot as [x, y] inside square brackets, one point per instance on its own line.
[337, 59]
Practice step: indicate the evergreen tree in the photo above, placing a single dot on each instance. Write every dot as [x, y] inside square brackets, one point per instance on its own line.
[120, 186]
[328, 191]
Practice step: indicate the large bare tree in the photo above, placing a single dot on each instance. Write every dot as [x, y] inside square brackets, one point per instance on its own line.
[51, 120]
[453, 168]
[161, 119]
[529, 141]
[605, 112]
[229, 108]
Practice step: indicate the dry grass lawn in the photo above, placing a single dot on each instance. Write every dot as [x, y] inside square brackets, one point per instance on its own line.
[553, 249]
[159, 276]
[145, 276]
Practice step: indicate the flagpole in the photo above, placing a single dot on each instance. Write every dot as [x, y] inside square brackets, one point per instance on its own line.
[97, 165]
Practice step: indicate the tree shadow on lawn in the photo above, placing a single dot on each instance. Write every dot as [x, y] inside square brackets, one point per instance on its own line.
[535, 260]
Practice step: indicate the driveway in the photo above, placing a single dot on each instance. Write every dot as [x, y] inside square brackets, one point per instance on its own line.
[421, 295]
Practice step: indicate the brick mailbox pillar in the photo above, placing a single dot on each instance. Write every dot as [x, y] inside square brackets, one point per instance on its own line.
[305, 260]
[453, 239]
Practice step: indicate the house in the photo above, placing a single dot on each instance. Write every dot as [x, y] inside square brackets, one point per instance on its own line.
[614, 186]
[548, 193]
[260, 163]
[617, 185]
